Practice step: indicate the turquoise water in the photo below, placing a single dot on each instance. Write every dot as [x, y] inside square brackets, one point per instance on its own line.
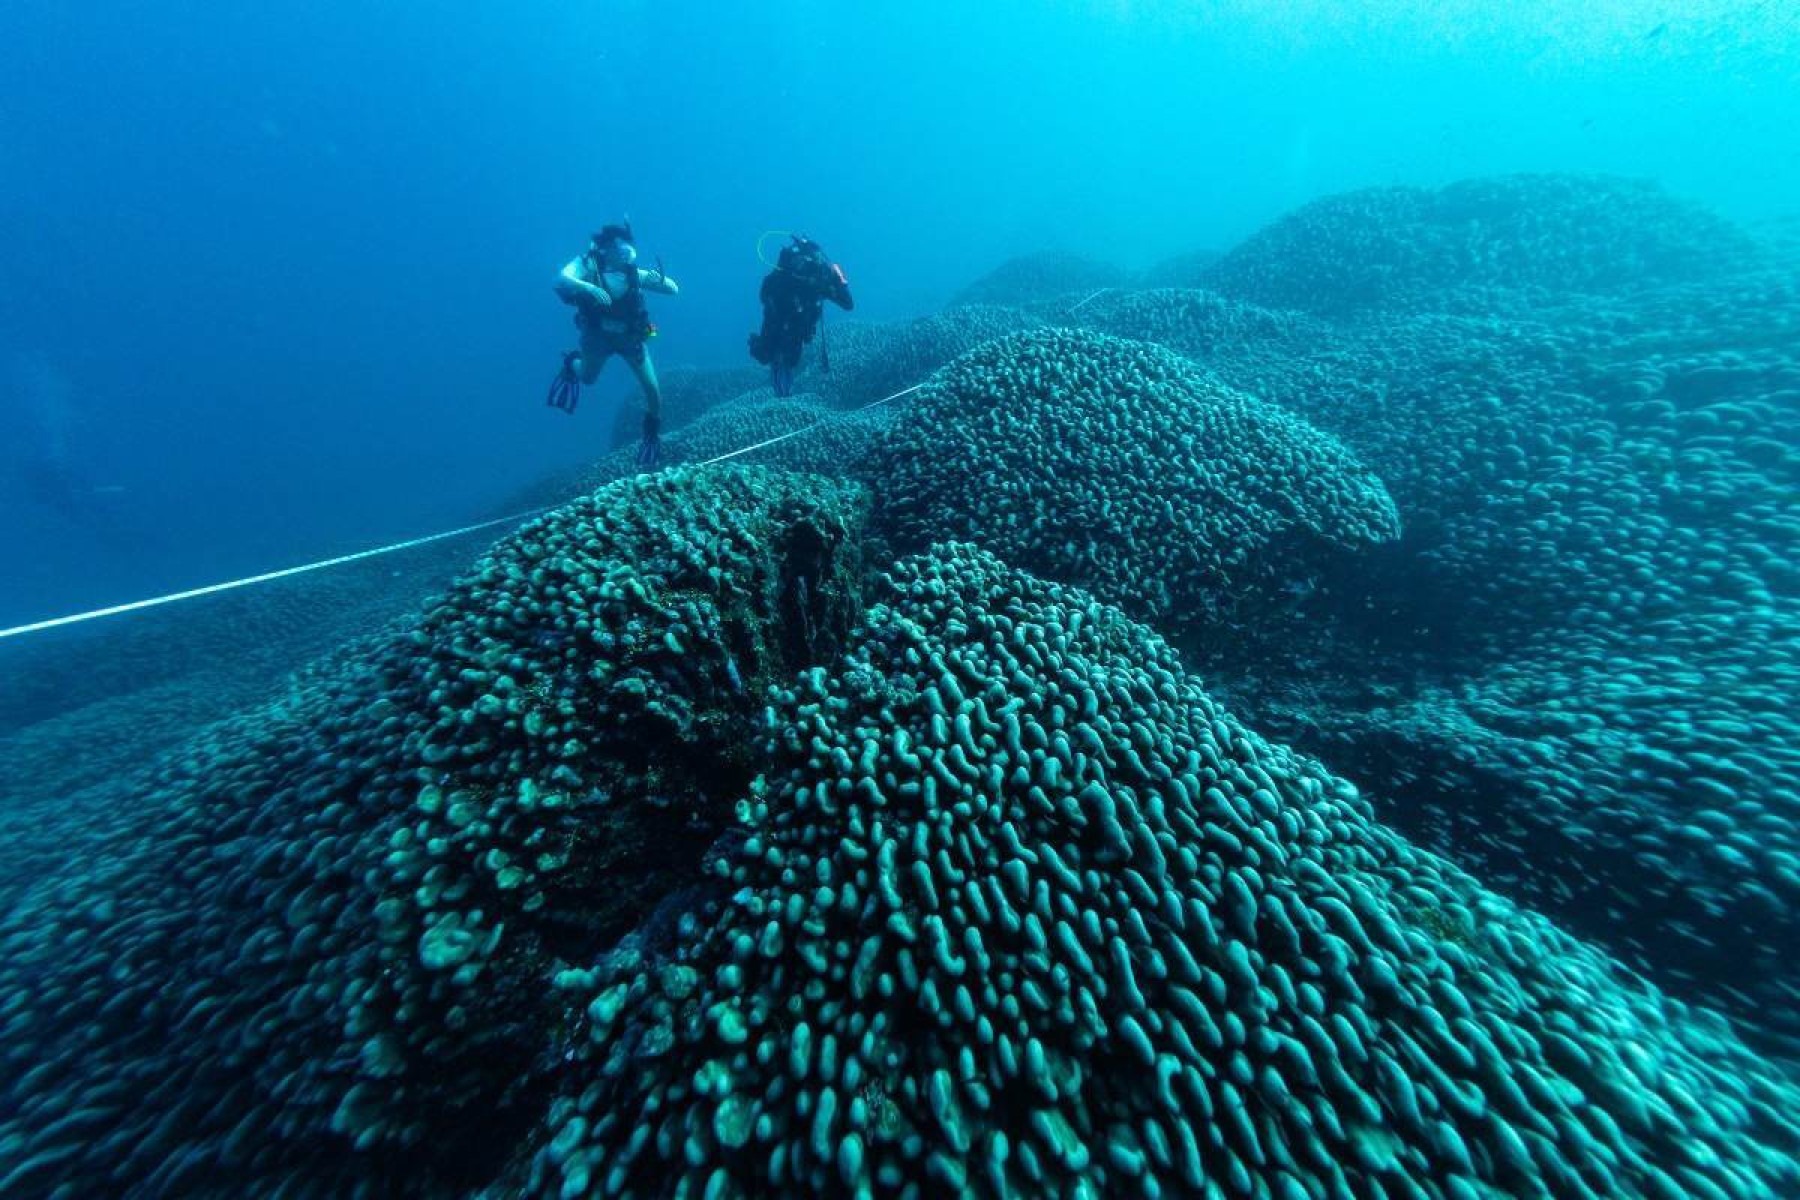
[276, 280]
[1257, 661]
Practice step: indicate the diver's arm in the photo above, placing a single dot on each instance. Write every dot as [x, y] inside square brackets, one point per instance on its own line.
[652, 280]
[574, 289]
[837, 289]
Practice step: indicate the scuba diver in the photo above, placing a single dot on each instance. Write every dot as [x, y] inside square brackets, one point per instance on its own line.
[606, 288]
[793, 297]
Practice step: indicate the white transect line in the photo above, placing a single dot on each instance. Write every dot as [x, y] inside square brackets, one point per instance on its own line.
[266, 577]
[1094, 295]
[850, 412]
[340, 560]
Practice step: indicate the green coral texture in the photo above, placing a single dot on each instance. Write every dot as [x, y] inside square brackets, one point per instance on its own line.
[1309, 722]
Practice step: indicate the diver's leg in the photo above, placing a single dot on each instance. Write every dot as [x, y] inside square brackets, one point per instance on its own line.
[650, 449]
[790, 362]
[645, 370]
[594, 353]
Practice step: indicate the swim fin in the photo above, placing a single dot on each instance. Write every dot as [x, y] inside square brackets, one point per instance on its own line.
[565, 389]
[649, 454]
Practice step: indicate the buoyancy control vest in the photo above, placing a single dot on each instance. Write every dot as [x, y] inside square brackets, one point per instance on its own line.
[627, 318]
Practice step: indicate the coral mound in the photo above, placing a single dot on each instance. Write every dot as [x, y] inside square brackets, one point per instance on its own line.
[1120, 466]
[1050, 275]
[799, 433]
[1200, 324]
[1397, 247]
[869, 361]
[1024, 912]
[678, 851]
[687, 392]
[1186, 270]
[331, 927]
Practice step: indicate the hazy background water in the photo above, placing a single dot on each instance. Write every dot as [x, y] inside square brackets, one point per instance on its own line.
[274, 278]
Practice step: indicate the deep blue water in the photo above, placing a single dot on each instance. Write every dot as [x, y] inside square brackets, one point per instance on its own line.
[274, 280]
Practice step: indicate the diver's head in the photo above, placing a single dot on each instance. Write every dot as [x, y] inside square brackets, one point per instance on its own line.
[614, 245]
[803, 257]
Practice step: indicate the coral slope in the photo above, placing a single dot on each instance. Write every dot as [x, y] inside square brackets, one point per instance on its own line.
[1328, 733]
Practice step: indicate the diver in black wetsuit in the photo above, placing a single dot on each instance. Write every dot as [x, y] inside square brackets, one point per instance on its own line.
[793, 300]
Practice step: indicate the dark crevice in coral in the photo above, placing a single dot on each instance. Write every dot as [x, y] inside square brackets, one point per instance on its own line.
[818, 600]
[639, 845]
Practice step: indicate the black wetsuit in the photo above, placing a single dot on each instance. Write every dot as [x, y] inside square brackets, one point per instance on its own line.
[793, 299]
